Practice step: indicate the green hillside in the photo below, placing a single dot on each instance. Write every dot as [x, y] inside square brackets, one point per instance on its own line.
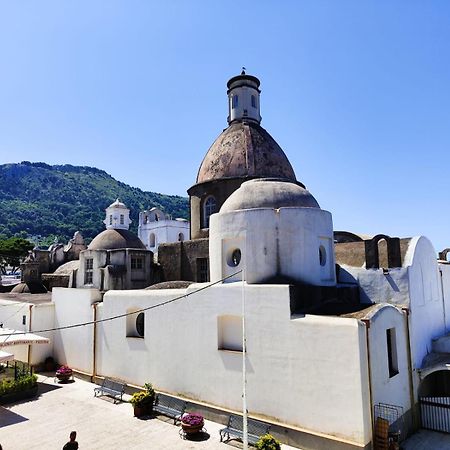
[39, 199]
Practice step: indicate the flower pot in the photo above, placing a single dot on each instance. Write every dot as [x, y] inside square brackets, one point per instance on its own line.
[143, 410]
[64, 377]
[192, 429]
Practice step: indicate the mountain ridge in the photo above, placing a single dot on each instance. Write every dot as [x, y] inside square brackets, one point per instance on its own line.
[56, 200]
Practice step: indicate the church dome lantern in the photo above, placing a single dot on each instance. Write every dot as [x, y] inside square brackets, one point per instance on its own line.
[242, 152]
[243, 98]
[117, 216]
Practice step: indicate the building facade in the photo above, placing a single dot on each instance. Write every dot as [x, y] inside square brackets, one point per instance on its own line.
[337, 326]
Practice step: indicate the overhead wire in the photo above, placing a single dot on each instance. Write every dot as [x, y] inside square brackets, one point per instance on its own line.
[118, 316]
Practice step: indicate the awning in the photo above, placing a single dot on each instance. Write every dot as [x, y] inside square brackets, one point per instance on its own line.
[16, 337]
[6, 356]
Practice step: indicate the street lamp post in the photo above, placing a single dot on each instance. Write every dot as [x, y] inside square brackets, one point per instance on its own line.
[244, 372]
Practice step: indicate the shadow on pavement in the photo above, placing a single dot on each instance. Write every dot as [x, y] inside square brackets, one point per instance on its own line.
[8, 417]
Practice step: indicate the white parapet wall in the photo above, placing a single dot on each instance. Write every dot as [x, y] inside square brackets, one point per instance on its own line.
[42, 318]
[74, 346]
[389, 362]
[16, 316]
[310, 372]
[24, 316]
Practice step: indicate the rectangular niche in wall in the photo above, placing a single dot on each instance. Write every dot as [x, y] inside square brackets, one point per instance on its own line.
[391, 342]
[229, 333]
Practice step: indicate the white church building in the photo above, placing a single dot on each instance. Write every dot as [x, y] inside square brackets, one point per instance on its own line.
[335, 328]
[156, 227]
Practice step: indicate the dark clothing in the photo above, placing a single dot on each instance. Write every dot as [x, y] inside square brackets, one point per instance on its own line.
[71, 445]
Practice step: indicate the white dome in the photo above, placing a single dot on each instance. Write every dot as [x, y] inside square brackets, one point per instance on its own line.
[269, 193]
[117, 204]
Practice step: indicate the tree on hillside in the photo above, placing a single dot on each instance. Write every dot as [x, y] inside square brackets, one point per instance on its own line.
[12, 251]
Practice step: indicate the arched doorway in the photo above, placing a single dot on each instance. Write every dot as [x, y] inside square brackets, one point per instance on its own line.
[434, 399]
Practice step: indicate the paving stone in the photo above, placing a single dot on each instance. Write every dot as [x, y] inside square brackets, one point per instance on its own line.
[46, 422]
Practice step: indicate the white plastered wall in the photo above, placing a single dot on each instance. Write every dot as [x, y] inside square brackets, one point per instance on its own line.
[426, 306]
[304, 371]
[393, 390]
[11, 315]
[42, 318]
[283, 242]
[444, 270]
[74, 346]
[165, 231]
[37, 317]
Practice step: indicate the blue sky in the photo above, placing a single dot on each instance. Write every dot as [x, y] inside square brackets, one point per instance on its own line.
[355, 92]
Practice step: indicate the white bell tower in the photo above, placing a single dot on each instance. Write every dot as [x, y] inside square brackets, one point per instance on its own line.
[117, 216]
[243, 98]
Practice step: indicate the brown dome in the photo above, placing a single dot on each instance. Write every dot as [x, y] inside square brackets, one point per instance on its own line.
[243, 150]
[114, 239]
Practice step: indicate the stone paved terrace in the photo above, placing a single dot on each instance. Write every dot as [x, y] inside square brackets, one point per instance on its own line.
[45, 423]
[427, 440]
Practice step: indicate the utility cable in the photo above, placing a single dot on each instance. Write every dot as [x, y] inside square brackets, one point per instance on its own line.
[148, 308]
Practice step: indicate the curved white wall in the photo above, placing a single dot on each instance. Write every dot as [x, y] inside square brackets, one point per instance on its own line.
[283, 242]
[426, 305]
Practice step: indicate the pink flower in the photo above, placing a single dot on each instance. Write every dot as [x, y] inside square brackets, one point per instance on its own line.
[192, 419]
[64, 370]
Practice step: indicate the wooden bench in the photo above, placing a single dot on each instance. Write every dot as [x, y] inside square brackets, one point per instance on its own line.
[111, 388]
[255, 429]
[169, 406]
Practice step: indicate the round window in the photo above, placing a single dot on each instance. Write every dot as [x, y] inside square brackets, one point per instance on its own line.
[234, 258]
[140, 326]
[322, 255]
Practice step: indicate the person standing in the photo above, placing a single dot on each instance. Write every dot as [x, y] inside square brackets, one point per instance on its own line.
[72, 444]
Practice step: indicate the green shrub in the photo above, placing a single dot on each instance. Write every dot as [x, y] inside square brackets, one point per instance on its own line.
[143, 398]
[268, 442]
[25, 383]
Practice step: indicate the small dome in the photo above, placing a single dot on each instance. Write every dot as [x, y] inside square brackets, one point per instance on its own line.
[67, 268]
[117, 204]
[32, 287]
[114, 239]
[171, 285]
[245, 150]
[269, 193]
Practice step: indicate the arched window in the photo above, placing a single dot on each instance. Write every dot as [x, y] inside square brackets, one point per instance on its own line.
[180, 237]
[110, 219]
[322, 255]
[209, 207]
[152, 240]
[122, 219]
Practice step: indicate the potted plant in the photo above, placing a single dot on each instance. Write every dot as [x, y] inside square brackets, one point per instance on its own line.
[142, 401]
[268, 442]
[64, 373]
[192, 423]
